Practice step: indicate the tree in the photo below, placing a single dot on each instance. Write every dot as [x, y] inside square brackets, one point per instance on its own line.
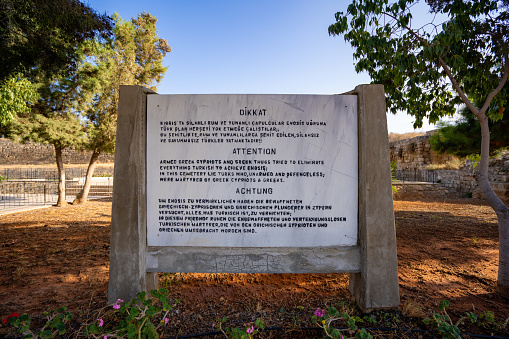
[429, 70]
[463, 138]
[41, 40]
[133, 56]
[41, 35]
[53, 120]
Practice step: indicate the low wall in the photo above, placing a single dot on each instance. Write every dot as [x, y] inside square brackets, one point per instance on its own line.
[32, 153]
[463, 181]
[415, 154]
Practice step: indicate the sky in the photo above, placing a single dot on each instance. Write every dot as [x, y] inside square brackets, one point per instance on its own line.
[252, 47]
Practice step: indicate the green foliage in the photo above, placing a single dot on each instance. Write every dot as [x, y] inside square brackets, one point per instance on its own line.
[247, 332]
[325, 318]
[16, 94]
[147, 316]
[464, 136]
[443, 324]
[448, 139]
[54, 118]
[134, 319]
[474, 160]
[55, 324]
[417, 65]
[132, 56]
[64, 130]
[485, 319]
[394, 166]
[137, 317]
[40, 36]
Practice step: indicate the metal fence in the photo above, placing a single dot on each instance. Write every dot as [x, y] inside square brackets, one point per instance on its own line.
[50, 173]
[40, 173]
[21, 192]
[422, 175]
[43, 192]
[100, 187]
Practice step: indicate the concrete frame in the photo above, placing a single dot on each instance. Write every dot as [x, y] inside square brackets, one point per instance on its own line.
[372, 264]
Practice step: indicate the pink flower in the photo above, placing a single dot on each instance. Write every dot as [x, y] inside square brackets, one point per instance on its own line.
[250, 329]
[101, 323]
[166, 320]
[116, 305]
[213, 324]
[319, 312]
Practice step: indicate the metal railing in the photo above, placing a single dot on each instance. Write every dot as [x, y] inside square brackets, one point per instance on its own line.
[22, 193]
[43, 192]
[415, 174]
[40, 173]
[49, 173]
[100, 187]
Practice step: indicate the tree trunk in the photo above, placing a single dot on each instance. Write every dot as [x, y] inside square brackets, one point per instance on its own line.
[61, 176]
[498, 206]
[81, 198]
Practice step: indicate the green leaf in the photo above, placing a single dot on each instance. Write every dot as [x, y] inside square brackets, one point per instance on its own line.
[351, 324]
[443, 304]
[131, 331]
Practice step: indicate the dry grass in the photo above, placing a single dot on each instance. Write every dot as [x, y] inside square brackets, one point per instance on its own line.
[398, 137]
[453, 164]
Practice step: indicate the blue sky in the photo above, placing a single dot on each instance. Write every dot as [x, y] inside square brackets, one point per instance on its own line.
[258, 47]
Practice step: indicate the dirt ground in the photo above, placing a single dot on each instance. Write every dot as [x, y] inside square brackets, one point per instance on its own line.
[447, 250]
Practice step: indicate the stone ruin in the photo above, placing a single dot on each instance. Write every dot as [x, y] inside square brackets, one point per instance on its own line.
[415, 154]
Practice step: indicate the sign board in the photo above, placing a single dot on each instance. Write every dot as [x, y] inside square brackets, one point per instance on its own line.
[253, 184]
[252, 170]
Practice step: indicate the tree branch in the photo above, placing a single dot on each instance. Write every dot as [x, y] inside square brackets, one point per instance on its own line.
[458, 89]
[501, 84]
[455, 84]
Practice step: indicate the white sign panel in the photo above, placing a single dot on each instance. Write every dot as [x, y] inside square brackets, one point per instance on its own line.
[252, 170]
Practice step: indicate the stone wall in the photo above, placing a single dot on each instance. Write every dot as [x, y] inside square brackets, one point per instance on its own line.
[31, 153]
[463, 181]
[416, 153]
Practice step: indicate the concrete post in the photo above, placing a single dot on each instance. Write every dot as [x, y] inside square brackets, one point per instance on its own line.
[376, 286]
[127, 274]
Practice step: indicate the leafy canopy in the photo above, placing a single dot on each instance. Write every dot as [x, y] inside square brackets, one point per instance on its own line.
[416, 64]
[132, 56]
[54, 117]
[41, 36]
